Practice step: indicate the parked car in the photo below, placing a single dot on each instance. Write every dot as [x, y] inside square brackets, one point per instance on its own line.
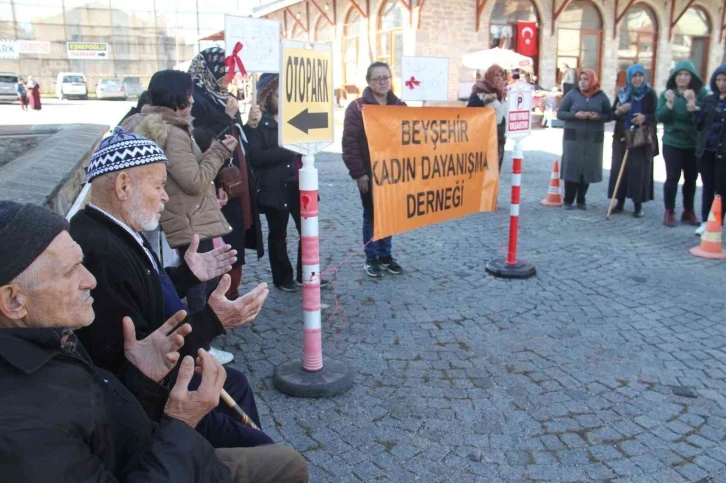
[110, 89]
[7, 87]
[71, 84]
[133, 86]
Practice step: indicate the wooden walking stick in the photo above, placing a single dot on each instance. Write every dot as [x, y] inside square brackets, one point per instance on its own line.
[617, 183]
[238, 410]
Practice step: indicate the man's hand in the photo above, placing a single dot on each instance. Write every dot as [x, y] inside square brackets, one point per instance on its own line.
[222, 197]
[233, 313]
[157, 354]
[232, 107]
[254, 117]
[638, 119]
[191, 406]
[582, 115]
[363, 183]
[206, 266]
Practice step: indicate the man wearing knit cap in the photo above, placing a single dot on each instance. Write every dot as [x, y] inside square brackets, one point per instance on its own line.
[127, 175]
[63, 418]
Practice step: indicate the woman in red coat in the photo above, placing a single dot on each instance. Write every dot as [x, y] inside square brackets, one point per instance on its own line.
[33, 93]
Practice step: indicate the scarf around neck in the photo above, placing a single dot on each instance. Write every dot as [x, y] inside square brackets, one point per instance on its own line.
[629, 93]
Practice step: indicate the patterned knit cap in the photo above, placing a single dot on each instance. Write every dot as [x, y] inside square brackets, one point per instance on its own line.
[123, 150]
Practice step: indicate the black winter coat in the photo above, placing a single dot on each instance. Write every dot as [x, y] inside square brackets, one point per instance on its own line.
[128, 285]
[208, 114]
[704, 119]
[274, 166]
[64, 420]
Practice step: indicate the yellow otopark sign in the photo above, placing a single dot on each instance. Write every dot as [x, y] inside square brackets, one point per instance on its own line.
[305, 96]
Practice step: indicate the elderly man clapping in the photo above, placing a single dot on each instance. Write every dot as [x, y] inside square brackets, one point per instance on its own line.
[127, 174]
[63, 418]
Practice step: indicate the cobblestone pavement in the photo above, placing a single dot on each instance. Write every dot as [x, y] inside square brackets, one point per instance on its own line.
[610, 365]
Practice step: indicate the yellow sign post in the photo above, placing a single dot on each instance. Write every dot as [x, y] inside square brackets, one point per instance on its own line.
[306, 96]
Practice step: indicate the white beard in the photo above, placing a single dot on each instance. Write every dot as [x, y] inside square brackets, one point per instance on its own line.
[147, 221]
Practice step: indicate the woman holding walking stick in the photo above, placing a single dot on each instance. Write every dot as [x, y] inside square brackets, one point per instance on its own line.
[634, 111]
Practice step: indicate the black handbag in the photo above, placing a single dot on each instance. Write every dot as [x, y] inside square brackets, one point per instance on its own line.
[640, 136]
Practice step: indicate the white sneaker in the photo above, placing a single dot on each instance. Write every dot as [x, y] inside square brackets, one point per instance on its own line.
[699, 231]
[222, 356]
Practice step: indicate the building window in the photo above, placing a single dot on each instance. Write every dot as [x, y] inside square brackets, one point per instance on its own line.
[352, 30]
[638, 40]
[503, 24]
[692, 39]
[390, 39]
[324, 32]
[579, 37]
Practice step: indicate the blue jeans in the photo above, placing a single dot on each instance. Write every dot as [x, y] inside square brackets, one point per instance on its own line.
[376, 249]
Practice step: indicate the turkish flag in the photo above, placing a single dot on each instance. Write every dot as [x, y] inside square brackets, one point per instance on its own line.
[527, 38]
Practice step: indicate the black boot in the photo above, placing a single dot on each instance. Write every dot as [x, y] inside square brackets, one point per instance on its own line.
[639, 213]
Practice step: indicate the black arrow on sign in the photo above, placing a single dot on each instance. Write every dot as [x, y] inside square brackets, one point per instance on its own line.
[309, 120]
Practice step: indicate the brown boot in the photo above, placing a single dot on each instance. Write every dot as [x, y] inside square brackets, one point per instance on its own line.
[669, 219]
[690, 217]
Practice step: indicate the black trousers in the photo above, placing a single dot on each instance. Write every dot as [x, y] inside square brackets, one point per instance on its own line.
[277, 220]
[574, 189]
[679, 160]
[713, 176]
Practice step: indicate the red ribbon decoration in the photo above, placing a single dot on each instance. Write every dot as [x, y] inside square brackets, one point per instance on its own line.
[234, 61]
[412, 83]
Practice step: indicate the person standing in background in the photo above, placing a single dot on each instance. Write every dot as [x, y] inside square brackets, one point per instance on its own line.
[569, 78]
[22, 93]
[710, 118]
[634, 109]
[585, 112]
[34, 94]
[489, 92]
[358, 160]
[679, 140]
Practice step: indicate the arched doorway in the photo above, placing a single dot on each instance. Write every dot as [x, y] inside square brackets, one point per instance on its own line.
[352, 29]
[638, 41]
[503, 24]
[390, 39]
[692, 39]
[579, 37]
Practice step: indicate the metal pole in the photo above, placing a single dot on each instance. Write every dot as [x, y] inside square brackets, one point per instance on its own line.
[514, 208]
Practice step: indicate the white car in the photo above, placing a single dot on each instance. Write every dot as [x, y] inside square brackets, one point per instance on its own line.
[71, 84]
[110, 89]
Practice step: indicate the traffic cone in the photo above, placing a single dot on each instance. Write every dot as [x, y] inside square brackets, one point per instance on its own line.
[711, 242]
[554, 194]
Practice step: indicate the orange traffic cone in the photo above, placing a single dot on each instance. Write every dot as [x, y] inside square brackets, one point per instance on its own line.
[554, 194]
[711, 242]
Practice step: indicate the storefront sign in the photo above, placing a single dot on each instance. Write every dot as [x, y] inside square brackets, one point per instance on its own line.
[87, 50]
[34, 47]
[8, 49]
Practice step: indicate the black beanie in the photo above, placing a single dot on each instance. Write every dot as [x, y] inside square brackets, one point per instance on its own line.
[25, 233]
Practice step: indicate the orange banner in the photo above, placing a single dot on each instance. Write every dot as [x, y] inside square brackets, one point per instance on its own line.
[430, 164]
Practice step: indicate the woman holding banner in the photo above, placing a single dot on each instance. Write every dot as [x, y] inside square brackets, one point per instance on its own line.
[358, 160]
[585, 112]
[214, 108]
[489, 92]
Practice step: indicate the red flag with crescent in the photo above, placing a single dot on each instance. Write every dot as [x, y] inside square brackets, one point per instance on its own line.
[527, 38]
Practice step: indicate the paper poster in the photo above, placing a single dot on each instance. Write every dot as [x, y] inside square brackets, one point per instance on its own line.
[260, 39]
[424, 78]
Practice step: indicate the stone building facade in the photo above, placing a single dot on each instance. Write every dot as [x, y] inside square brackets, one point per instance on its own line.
[606, 35]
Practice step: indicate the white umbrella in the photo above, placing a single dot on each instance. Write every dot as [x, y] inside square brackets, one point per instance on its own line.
[506, 59]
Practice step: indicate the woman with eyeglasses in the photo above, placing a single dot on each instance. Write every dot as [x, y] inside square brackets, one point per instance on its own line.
[358, 160]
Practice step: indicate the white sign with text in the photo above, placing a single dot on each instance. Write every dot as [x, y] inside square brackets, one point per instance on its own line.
[260, 39]
[424, 78]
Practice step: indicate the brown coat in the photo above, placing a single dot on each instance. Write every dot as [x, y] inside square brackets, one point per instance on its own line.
[192, 207]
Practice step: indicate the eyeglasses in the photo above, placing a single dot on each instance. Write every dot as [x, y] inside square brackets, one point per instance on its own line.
[381, 79]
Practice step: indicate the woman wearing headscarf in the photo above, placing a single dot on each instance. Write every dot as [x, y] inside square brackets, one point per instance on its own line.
[585, 111]
[634, 109]
[34, 94]
[215, 109]
[679, 140]
[489, 92]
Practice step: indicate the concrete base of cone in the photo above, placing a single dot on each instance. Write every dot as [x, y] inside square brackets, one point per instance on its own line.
[700, 252]
[547, 202]
[334, 378]
[520, 270]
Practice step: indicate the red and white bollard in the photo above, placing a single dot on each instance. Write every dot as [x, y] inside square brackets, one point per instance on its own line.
[310, 377]
[511, 267]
